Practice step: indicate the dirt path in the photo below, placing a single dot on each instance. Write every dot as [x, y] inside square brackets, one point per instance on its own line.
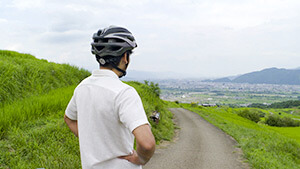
[199, 145]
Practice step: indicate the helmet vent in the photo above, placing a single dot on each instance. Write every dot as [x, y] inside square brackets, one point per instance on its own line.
[115, 48]
[99, 48]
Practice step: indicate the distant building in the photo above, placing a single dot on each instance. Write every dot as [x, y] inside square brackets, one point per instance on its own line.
[267, 104]
[208, 105]
[244, 105]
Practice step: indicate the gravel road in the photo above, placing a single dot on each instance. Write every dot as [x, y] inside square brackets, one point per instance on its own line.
[199, 144]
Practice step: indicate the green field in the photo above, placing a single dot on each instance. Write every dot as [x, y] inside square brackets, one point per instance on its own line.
[226, 97]
[264, 147]
[34, 95]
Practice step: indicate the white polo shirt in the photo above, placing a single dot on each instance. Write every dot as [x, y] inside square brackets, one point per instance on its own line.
[107, 111]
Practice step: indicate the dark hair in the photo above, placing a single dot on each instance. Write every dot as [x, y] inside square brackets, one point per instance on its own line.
[112, 59]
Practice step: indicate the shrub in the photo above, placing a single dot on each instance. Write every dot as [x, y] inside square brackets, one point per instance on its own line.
[194, 104]
[151, 102]
[285, 104]
[258, 105]
[154, 87]
[261, 114]
[250, 115]
[275, 120]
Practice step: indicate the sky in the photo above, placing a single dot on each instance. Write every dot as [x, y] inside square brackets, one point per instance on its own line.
[196, 38]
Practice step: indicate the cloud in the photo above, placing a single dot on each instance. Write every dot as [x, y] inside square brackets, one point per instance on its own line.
[68, 23]
[15, 47]
[28, 4]
[59, 38]
[2, 20]
[204, 37]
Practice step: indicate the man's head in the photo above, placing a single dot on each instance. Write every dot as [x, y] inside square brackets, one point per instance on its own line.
[112, 47]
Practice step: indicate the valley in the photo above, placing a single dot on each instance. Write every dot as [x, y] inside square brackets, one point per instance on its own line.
[220, 93]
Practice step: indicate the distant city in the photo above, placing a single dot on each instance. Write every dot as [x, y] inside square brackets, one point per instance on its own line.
[220, 93]
[266, 86]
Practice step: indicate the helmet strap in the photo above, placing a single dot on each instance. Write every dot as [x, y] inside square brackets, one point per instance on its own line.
[118, 69]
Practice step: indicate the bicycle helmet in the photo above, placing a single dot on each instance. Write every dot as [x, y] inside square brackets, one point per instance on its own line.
[110, 44]
[112, 41]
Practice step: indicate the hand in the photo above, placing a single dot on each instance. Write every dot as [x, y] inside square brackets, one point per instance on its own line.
[133, 158]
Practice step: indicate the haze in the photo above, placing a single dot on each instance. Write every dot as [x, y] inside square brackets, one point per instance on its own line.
[197, 38]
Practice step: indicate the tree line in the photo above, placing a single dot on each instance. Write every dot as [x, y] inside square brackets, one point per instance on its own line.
[278, 105]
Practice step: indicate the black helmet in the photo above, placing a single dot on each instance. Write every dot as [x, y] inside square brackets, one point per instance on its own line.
[112, 41]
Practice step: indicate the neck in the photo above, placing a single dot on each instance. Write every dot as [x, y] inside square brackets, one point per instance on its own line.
[112, 69]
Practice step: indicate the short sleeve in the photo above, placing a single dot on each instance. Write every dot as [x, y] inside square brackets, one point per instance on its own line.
[130, 108]
[71, 110]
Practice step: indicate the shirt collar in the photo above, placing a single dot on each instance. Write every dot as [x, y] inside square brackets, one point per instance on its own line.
[104, 73]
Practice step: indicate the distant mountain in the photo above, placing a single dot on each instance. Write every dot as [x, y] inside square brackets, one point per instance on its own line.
[225, 79]
[298, 68]
[267, 76]
[271, 76]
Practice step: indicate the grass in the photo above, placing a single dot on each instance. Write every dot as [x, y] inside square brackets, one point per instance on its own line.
[164, 130]
[32, 131]
[32, 108]
[291, 132]
[34, 134]
[44, 143]
[23, 75]
[263, 146]
[34, 94]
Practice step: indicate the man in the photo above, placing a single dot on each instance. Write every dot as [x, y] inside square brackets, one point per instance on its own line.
[105, 113]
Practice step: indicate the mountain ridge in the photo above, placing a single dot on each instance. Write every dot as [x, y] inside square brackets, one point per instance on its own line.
[271, 75]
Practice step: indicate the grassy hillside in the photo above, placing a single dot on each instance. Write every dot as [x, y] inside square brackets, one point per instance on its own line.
[32, 131]
[35, 135]
[151, 101]
[264, 146]
[24, 75]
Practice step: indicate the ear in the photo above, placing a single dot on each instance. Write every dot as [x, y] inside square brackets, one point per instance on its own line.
[125, 58]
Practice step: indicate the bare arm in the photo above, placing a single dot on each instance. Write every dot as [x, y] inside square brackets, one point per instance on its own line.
[145, 145]
[72, 124]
